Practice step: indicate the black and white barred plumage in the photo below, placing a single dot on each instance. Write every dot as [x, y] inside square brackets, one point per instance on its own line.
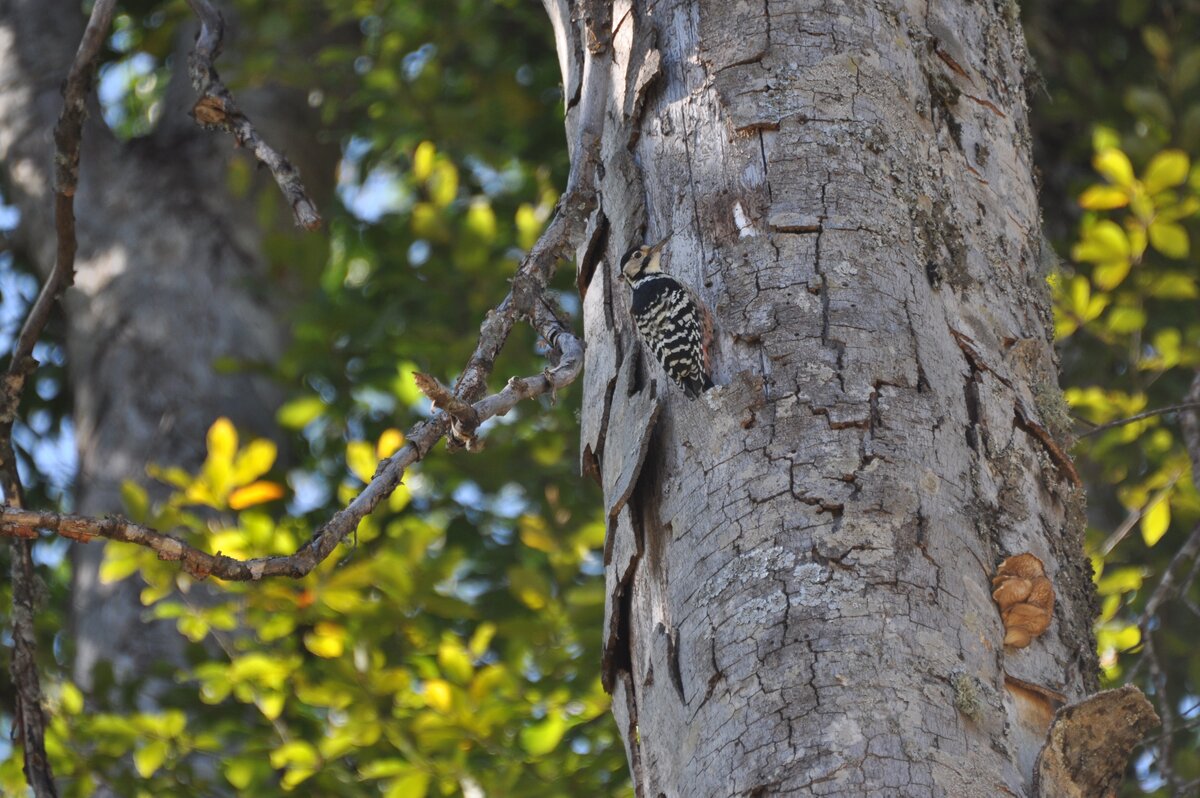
[672, 322]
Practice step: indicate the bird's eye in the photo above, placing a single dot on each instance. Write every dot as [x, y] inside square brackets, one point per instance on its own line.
[637, 255]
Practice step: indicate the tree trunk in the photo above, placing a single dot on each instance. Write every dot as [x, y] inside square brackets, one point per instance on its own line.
[171, 277]
[799, 563]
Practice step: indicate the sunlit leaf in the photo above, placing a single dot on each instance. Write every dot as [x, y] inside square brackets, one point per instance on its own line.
[422, 162]
[327, 640]
[150, 757]
[389, 443]
[299, 412]
[255, 493]
[542, 738]
[360, 459]
[253, 461]
[1109, 275]
[1103, 242]
[1170, 239]
[1167, 169]
[1103, 198]
[1155, 521]
[454, 661]
[1114, 165]
[438, 695]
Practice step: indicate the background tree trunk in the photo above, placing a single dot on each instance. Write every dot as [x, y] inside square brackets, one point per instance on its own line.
[171, 277]
[799, 563]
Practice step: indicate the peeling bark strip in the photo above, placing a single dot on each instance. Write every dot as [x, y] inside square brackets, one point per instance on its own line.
[799, 565]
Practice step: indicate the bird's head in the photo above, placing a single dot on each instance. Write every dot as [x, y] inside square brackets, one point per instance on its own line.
[643, 260]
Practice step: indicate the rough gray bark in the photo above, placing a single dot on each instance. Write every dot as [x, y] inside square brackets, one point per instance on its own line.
[171, 277]
[799, 562]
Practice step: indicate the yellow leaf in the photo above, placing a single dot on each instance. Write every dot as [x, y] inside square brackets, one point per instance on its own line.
[438, 695]
[422, 165]
[271, 705]
[529, 226]
[253, 461]
[148, 759]
[481, 220]
[255, 493]
[360, 457]
[71, 699]
[326, 640]
[297, 413]
[120, 562]
[1103, 198]
[443, 184]
[1114, 165]
[535, 533]
[389, 443]
[1103, 241]
[1109, 275]
[1166, 170]
[222, 440]
[1170, 239]
[454, 661]
[1155, 521]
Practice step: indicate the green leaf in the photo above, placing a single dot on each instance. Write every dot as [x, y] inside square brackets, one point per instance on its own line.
[1170, 239]
[454, 660]
[135, 500]
[1155, 521]
[1166, 170]
[542, 738]
[1174, 285]
[1120, 580]
[150, 757]
[299, 412]
[120, 562]
[1124, 320]
[294, 753]
[71, 699]
[240, 772]
[413, 785]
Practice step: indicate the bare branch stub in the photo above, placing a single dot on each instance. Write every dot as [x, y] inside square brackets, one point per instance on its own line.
[216, 108]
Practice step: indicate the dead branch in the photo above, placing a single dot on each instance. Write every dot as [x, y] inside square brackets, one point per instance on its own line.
[29, 722]
[216, 108]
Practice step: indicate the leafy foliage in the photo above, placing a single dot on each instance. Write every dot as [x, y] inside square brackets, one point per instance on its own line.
[452, 646]
[1119, 85]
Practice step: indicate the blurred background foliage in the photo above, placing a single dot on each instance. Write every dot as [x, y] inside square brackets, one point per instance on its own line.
[1116, 111]
[453, 648]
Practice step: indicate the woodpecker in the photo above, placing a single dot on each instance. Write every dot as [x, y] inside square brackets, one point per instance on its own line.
[671, 320]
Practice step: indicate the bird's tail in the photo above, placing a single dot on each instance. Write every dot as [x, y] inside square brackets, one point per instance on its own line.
[697, 385]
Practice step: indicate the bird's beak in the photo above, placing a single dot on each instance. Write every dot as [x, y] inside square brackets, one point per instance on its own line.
[657, 248]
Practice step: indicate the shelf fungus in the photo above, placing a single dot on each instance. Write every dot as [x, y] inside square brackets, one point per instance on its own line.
[1026, 599]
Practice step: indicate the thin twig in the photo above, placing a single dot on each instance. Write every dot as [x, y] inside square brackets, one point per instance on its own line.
[1120, 422]
[29, 722]
[216, 108]
[19, 523]
[1189, 423]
